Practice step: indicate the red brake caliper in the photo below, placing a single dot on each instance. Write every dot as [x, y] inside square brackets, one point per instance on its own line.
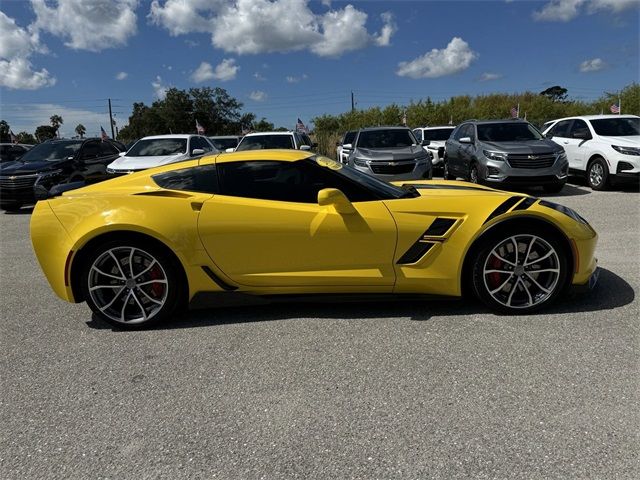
[494, 277]
[156, 288]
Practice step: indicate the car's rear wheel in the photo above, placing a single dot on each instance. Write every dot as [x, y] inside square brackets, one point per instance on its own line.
[445, 170]
[520, 270]
[130, 285]
[473, 174]
[598, 174]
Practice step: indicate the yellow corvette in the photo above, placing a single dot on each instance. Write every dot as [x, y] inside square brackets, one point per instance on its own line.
[276, 222]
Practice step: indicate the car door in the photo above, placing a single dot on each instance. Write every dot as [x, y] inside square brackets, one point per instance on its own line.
[456, 151]
[88, 164]
[266, 229]
[107, 153]
[579, 144]
[561, 134]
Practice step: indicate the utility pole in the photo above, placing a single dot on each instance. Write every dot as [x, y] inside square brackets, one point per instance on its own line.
[111, 121]
[353, 103]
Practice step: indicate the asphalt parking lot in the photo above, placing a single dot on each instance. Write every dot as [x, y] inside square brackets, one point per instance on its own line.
[438, 390]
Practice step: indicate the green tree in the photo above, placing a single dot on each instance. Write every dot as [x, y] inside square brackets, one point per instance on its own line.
[555, 93]
[45, 132]
[4, 131]
[81, 130]
[56, 121]
[26, 137]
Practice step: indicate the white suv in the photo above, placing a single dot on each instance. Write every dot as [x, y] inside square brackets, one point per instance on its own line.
[268, 140]
[605, 148]
[437, 137]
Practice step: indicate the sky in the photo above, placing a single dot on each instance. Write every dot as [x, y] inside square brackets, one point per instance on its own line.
[290, 59]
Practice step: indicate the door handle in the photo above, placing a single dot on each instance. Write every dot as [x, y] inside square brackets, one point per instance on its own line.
[566, 143]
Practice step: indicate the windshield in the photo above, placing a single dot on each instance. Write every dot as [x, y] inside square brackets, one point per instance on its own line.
[438, 134]
[617, 127]
[392, 138]
[223, 143]
[158, 147]
[382, 189]
[507, 132]
[261, 142]
[51, 151]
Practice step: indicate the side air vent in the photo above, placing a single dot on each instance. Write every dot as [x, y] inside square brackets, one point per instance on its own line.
[164, 193]
[416, 252]
[439, 227]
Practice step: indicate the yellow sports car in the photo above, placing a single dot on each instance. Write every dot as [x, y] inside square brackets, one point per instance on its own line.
[274, 222]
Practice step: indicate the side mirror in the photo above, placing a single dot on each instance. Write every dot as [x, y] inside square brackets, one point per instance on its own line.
[424, 143]
[347, 146]
[548, 135]
[305, 148]
[197, 151]
[333, 196]
[122, 154]
[230, 150]
[466, 140]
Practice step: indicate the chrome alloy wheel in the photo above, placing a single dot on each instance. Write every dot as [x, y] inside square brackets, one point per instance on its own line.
[127, 284]
[596, 173]
[521, 271]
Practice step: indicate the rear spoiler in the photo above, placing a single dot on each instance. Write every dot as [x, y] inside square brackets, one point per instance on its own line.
[41, 193]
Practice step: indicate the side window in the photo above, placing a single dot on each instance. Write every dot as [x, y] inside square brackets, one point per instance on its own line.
[579, 129]
[90, 150]
[561, 129]
[284, 181]
[106, 149]
[418, 134]
[461, 132]
[196, 179]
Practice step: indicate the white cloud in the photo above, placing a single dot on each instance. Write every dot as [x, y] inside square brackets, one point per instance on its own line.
[226, 70]
[121, 75]
[88, 25]
[488, 76]
[260, 26]
[455, 58]
[593, 65]
[259, 77]
[293, 79]
[16, 47]
[566, 10]
[159, 89]
[203, 73]
[258, 96]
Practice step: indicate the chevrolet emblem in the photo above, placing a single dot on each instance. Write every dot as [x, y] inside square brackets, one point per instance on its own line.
[12, 177]
[531, 157]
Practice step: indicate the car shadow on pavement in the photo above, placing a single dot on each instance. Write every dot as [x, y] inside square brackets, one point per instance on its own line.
[22, 211]
[611, 292]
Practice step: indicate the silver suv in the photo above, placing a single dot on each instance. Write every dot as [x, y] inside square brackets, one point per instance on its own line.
[505, 153]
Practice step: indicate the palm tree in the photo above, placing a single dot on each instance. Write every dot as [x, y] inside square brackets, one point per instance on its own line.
[80, 130]
[56, 121]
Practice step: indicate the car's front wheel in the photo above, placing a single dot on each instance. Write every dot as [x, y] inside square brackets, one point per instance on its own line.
[520, 270]
[129, 284]
[474, 177]
[598, 174]
[446, 173]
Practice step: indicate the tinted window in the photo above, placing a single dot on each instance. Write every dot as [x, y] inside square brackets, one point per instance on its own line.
[349, 137]
[418, 134]
[90, 150]
[561, 129]
[579, 129]
[199, 142]
[617, 127]
[438, 134]
[223, 143]
[507, 132]
[285, 181]
[306, 140]
[158, 146]
[195, 179]
[106, 149]
[261, 142]
[52, 151]
[396, 138]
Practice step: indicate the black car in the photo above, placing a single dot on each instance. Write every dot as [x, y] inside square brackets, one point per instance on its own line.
[52, 163]
[12, 151]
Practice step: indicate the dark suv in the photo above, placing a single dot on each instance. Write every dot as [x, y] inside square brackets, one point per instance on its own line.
[505, 153]
[52, 163]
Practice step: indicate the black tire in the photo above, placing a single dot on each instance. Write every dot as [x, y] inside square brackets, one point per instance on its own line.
[474, 176]
[140, 297]
[10, 207]
[554, 187]
[527, 286]
[598, 174]
[445, 170]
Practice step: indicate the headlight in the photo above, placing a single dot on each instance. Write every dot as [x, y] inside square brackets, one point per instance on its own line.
[359, 162]
[500, 156]
[626, 150]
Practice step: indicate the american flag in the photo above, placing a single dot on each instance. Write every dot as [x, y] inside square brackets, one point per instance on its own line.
[103, 134]
[615, 108]
[199, 128]
[300, 127]
[14, 139]
[514, 112]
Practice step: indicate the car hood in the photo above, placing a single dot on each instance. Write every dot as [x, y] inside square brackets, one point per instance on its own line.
[21, 168]
[526, 147]
[630, 141]
[142, 163]
[436, 143]
[387, 154]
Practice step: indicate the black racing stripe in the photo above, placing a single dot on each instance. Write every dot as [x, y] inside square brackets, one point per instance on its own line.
[526, 203]
[439, 227]
[504, 207]
[416, 252]
[443, 187]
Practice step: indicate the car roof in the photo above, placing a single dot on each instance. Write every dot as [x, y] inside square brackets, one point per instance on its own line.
[394, 127]
[222, 137]
[498, 120]
[177, 135]
[594, 117]
[433, 127]
[282, 155]
[253, 134]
